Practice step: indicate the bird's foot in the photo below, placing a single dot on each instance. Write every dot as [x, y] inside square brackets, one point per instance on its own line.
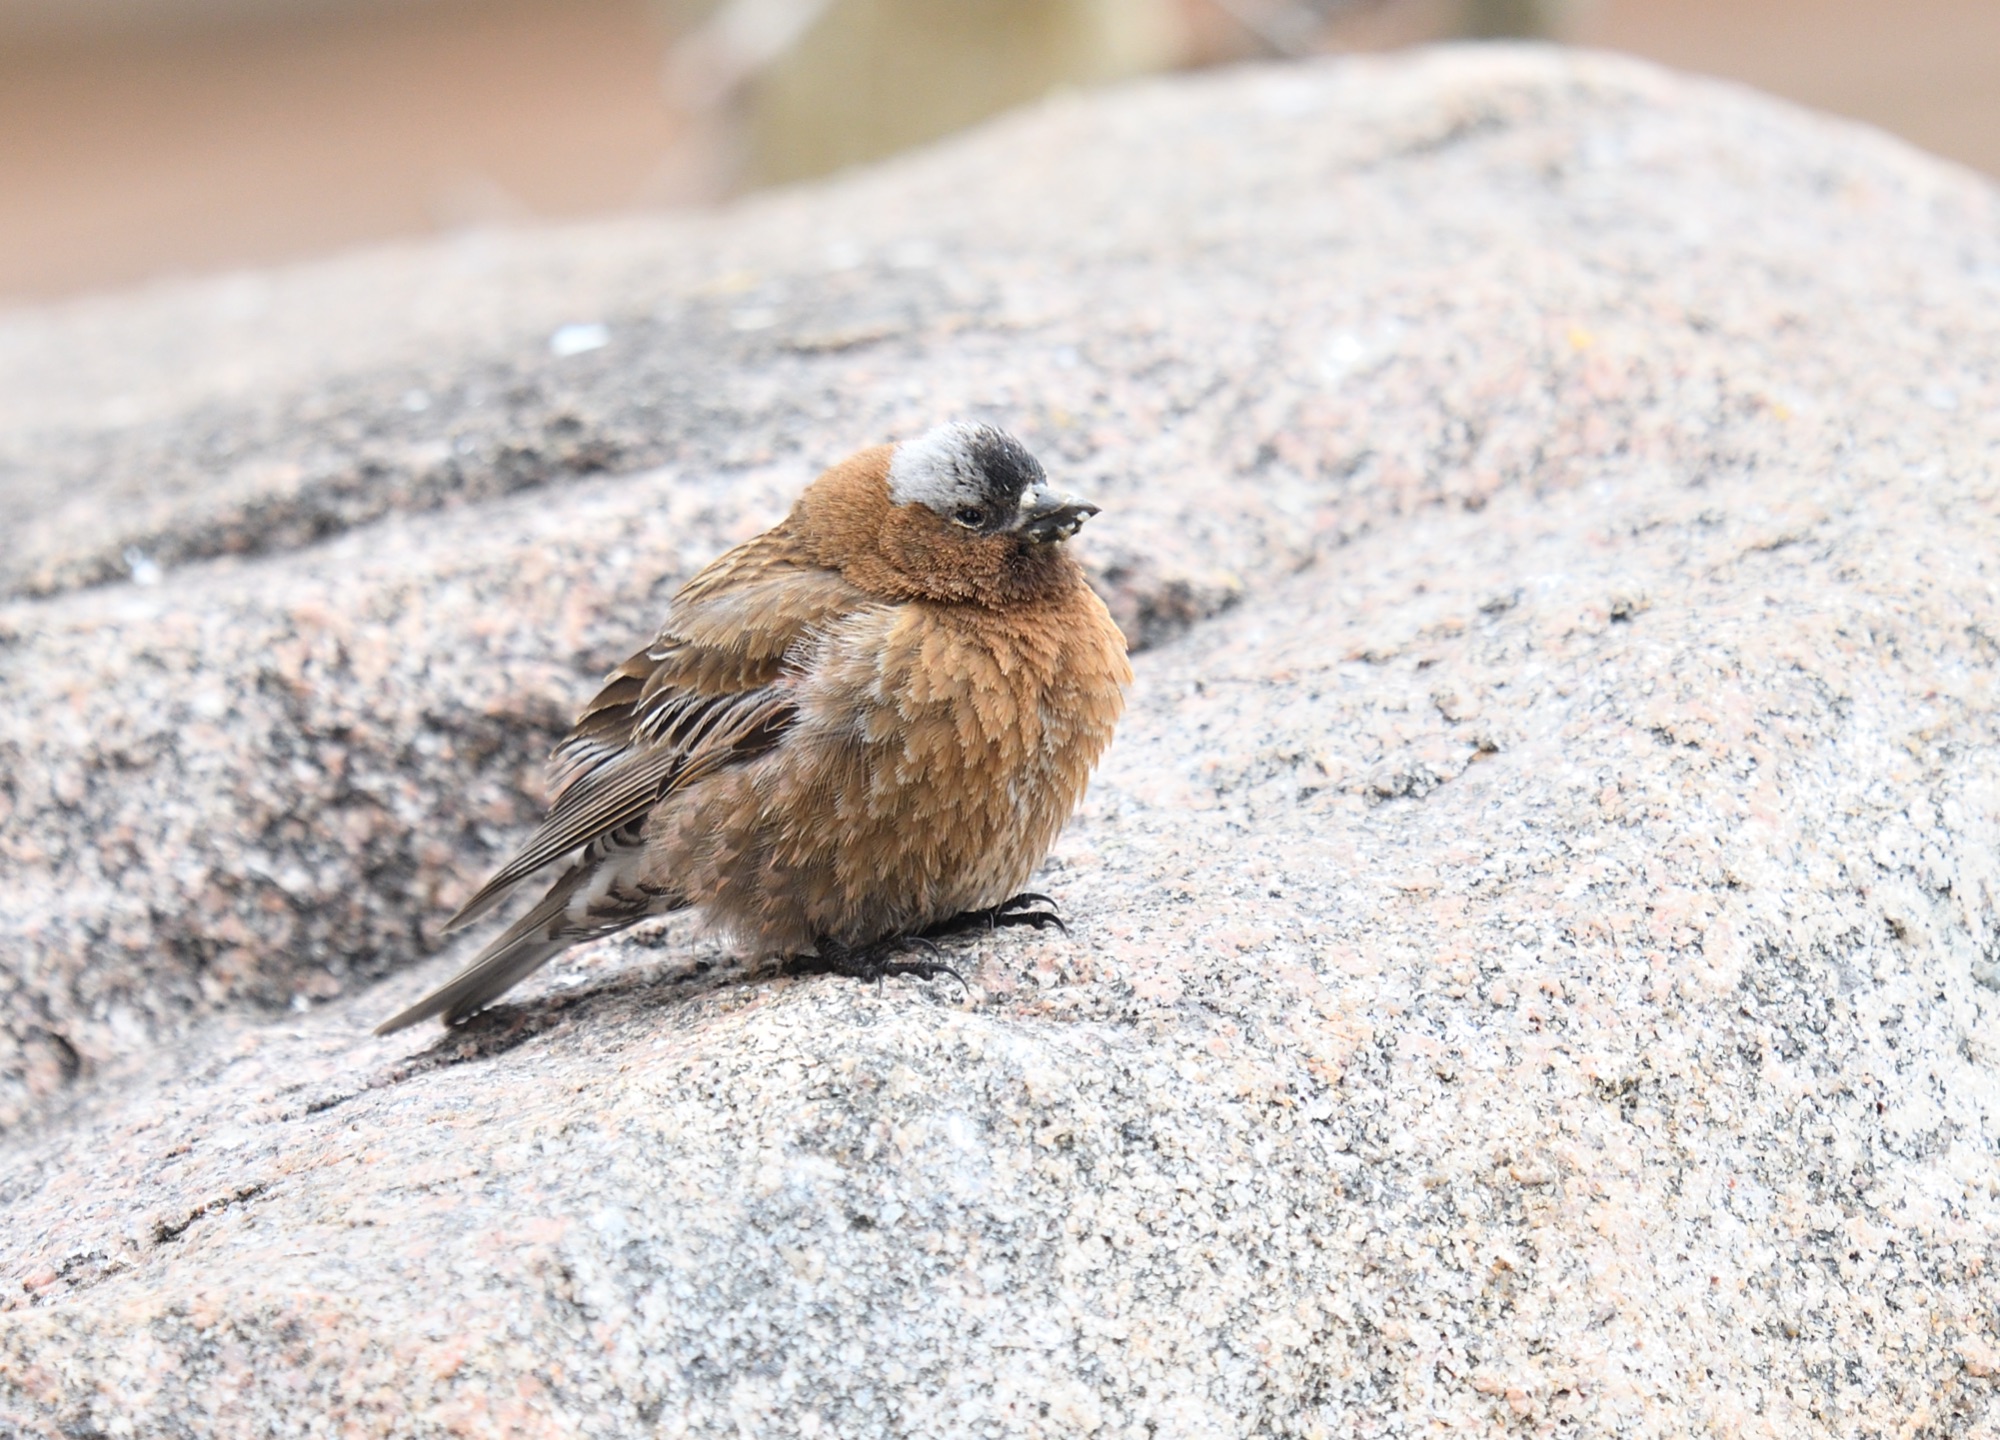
[1027, 908]
[877, 960]
[874, 961]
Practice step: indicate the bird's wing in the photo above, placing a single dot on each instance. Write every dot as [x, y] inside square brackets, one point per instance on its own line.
[714, 689]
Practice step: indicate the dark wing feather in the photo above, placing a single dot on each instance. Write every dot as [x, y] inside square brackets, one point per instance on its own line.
[714, 689]
[620, 796]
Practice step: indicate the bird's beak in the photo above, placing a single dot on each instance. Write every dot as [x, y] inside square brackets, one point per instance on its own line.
[1049, 515]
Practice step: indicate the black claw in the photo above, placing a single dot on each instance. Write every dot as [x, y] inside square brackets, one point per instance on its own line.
[1040, 919]
[1016, 910]
[872, 962]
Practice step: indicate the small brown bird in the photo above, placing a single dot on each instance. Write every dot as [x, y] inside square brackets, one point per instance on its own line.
[859, 731]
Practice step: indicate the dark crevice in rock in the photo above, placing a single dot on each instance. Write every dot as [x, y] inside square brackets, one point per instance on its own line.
[1153, 607]
[167, 1231]
[664, 389]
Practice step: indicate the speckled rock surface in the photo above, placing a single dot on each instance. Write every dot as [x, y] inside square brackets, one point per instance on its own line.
[1534, 957]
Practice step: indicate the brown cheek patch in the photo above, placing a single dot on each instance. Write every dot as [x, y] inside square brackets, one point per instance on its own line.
[925, 549]
[942, 561]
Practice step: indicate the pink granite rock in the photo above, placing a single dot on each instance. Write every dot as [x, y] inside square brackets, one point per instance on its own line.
[1534, 938]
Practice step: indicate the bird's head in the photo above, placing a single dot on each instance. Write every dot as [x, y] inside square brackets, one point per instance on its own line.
[983, 483]
[963, 512]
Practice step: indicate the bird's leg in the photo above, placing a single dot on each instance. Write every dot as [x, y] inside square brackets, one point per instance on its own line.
[871, 961]
[1027, 908]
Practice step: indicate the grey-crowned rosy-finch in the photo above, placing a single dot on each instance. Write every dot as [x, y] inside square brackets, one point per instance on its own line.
[863, 728]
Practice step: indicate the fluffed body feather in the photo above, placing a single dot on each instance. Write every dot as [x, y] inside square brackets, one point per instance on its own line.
[866, 720]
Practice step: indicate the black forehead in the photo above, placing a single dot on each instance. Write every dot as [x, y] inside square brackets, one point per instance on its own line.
[1005, 462]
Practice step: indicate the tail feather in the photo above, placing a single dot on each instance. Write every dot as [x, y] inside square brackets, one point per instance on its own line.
[520, 950]
[480, 983]
[599, 895]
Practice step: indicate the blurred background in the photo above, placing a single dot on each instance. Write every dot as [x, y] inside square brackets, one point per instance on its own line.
[148, 138]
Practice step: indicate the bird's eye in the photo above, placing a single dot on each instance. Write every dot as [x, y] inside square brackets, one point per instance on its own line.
[971, 517]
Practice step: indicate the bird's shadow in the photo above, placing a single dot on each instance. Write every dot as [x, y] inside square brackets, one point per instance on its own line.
[503, 1027]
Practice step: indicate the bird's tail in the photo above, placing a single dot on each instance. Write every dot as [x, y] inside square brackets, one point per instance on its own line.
[600, 894]
[520, 950]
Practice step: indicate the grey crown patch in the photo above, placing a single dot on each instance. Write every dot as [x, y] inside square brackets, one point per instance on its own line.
[953, 467]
